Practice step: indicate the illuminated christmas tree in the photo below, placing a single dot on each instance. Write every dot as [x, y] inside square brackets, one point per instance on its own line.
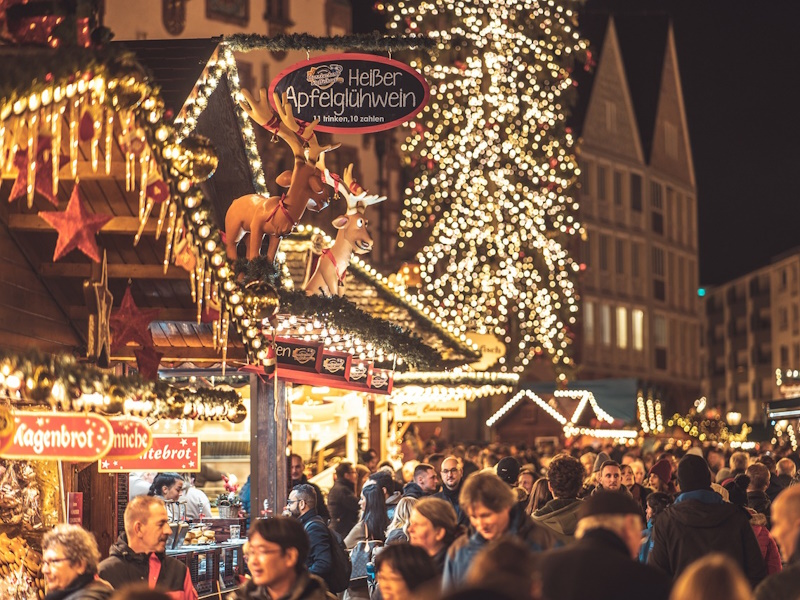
[493, 169]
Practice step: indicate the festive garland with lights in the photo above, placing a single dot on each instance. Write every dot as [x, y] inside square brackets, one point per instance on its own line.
[62, 383]
[367, 42]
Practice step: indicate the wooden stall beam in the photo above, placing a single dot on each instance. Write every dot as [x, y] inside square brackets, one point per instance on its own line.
[115, 271]
[117, 225]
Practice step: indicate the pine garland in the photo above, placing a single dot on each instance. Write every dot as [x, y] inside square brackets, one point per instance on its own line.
[367, 42]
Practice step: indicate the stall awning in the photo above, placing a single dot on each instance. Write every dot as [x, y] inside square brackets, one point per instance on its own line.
[616, 396]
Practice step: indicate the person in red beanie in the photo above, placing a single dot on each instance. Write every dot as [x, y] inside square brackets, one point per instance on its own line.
[660, 478]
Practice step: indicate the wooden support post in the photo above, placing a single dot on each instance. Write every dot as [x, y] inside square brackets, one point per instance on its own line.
[351, 441]
[268, 446]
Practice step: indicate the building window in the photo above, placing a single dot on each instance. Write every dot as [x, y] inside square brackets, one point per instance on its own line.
[617, 188]
[679, 219]
[588, 322]
[603, 252]
[635, 259]
[795, 319]
[785, 356]
[656, 198]
[660, 341]
[601, 183]
[671, 140]
[795, 354]
[658, 262]
[636, 192]
[637, 328]
[619, 256]
[611, 116]
[622, 327]
[605, 324]
[783, 318]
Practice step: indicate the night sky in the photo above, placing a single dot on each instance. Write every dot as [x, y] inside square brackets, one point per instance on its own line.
[739, 69]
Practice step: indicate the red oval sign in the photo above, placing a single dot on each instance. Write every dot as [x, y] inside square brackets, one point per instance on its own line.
[75, 437]
[352, 93]
[132, 438]
[180, 453]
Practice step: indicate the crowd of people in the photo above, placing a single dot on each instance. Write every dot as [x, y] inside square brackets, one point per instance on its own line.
[487, 523]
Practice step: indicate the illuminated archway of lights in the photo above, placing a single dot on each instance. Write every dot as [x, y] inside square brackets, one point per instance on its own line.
[493, 167]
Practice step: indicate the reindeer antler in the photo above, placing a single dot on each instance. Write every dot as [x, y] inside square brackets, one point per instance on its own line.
[284, 125]
[355, 195]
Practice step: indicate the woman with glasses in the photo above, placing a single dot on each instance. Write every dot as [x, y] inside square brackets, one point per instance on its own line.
[69, 565]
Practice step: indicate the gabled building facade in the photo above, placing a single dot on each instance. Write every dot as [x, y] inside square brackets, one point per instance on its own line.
[638, 201]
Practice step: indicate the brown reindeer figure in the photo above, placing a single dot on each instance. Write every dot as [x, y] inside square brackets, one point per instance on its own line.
[352, 237]
[276, 216]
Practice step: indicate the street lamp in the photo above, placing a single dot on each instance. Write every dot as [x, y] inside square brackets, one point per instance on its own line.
[733, 417]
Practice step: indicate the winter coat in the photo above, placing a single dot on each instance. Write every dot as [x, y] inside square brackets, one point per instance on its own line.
[760, 503]
[320, 554]
[126, 566]
[463, 550]
[451, 496]
[769, 549]
[391, 504]
[307, 587]
[640, 494]
[396, 536]
[561, 516]
[599, 566]
[412, 490]
[698, 523]
[343, 507]
[783, 585]
[83, 587]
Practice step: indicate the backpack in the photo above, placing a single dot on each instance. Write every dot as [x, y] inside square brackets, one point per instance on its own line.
[339, 578]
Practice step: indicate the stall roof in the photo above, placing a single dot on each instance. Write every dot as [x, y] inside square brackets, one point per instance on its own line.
[616, 396]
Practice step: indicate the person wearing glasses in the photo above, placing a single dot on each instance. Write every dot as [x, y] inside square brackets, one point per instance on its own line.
[69, 565]
[302, 505]
[452, 478]
[276, 554]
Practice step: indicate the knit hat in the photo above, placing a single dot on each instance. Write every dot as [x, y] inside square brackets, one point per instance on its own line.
[663, 469]
[693, 474]
[598, 462]
[508, 470]
[609, 503]
[723, 474]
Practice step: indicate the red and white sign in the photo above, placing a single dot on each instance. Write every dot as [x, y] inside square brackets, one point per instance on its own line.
[75, 508]
[132, 438]
[76, 437]
[179, 453]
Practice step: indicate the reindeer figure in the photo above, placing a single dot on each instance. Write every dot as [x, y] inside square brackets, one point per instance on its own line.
[276, 216]
[352, 237]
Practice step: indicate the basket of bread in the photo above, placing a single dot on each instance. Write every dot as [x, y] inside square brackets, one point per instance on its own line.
[198, 536]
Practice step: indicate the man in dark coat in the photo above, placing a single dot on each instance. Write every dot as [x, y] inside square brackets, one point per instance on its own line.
[276, 557]
[786, 531]
[139, 554]
[302, 506]
[493, 513]
[424, 483]
[298, 476]
[775, 486]
[564, 478]
[342, 501]
[601, 564]
[700, 522]
[452, 479]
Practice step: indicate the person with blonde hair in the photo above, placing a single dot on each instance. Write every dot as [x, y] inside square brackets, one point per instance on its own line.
[713, 577]
[397, 532]
[69, 564]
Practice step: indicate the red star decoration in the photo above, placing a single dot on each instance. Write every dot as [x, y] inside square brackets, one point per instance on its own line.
[76, 228]
[147, 361]
[43, 181]
[129, 324]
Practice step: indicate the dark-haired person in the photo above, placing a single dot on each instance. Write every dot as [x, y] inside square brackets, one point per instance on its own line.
[302, 505]
[69, 565]
[452, 480]
[277, 550]
[384, 479]
[342, 499]
[297, 473]
[699, 522]
[774, 488]
[757, 498]
[372, 526]
[424, 482]
[493, 512]
[139, 553]
[657, 502]
[167, 486]
[403, 570]
[560, 515]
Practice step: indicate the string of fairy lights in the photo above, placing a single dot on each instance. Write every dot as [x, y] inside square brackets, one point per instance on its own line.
[493, 166]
